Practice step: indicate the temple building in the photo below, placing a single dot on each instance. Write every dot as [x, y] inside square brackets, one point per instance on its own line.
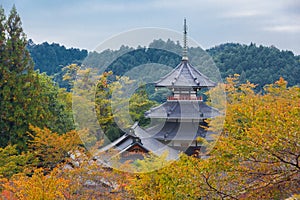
[178, 123]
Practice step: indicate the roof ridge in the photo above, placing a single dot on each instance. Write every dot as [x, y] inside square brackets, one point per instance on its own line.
[179, 72]
[192, 74]
[168, 74]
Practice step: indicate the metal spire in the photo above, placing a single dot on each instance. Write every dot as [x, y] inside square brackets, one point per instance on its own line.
[184, 55]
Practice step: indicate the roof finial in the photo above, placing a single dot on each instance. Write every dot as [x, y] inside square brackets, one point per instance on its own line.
[184, 55]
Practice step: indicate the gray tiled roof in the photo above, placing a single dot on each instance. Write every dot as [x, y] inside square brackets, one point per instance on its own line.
[177, 131]
[147, 142]
[154, 145]
[183, 110]
[115, 143]
[185, 75]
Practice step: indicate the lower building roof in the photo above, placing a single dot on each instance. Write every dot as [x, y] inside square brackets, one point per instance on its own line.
[143, 139]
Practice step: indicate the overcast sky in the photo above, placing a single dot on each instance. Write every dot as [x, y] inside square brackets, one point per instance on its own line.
[86, 23]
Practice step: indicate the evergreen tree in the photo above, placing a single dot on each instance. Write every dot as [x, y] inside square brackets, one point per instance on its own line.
[17, 72]
[26, 97]
[2, 37]
[3, 73]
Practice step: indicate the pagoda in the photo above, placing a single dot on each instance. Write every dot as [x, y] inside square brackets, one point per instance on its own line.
[179, 122]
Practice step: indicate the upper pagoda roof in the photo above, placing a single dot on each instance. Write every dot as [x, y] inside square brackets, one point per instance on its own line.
[185, 75]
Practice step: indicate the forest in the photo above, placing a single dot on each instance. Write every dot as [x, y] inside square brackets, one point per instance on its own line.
[51, 58]
[258, 64]
[43, 155]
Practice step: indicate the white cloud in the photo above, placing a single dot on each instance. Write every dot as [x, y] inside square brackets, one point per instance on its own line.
[284, 28]
[244, 13]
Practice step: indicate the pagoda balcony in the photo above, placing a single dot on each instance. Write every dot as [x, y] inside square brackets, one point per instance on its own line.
[185, 97]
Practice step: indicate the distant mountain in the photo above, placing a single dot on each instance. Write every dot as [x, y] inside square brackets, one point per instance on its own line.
[51, 58]
[258, 64]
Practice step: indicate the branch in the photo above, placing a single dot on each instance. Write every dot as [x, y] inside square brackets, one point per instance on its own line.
[222, 194]
[284, 161]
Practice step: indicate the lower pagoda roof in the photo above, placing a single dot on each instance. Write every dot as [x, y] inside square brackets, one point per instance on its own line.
[187, 131]
[183, 110]
[154, 140]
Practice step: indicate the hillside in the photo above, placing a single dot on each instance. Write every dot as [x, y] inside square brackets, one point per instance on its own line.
[258, 64]
[51, 58]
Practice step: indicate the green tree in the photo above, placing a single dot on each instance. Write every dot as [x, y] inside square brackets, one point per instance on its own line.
[15, 91]
[11, 162]
[139, 103]
[2, 40]
[114, 109]
[26, 97]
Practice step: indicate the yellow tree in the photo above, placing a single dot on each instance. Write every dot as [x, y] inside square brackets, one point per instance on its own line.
[51, 148]
[260, 143]
[256, 157]
[38, 186]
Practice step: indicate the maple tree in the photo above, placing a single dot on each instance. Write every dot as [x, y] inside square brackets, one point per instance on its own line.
[260, 140]
[256, 156]
[105, 104]
[51, 148]
[38, 186]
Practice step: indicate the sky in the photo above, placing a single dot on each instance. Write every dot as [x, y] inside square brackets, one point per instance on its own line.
[87, 23]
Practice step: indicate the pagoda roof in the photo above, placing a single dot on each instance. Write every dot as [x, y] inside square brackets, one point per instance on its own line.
[141, 138]
[155, 146]
[181, 109]
[188, 131]
[185, 75]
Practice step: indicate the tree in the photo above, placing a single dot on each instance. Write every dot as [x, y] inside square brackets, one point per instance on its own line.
[139, 103]
[256, 157]
[51, 148]
[115, 107]
[11, 162]
[16, 82]
[38, 186]
[258, 153]
[26, 97]
[51, 106]
[2, 41]
[181, 179]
